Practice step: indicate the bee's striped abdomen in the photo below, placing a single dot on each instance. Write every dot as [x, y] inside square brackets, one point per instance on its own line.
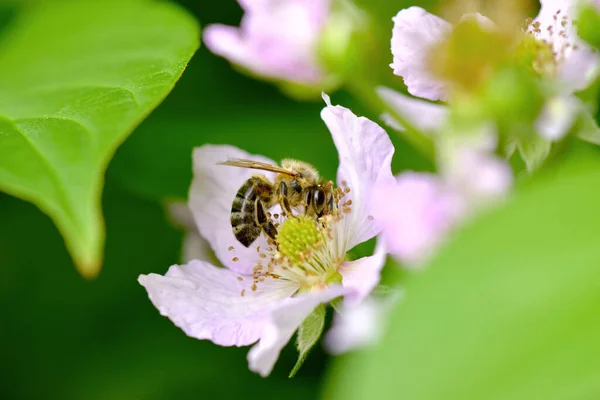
[243, 210]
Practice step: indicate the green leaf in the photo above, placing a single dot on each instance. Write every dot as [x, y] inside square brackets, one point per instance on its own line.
[308, 334]
[509, 310]
[77, 78]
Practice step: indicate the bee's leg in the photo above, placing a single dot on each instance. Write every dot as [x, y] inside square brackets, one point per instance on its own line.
[284, 202]
[263, 221]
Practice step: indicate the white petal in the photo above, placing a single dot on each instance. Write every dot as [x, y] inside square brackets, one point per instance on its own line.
[361, 276]
[557, 117]
[206, 302]
[211, 195]
[228, 42]
[194, 246]
[365, 151]
[415, 32]
[470, 166]
[276, 39]
[283, 322]
[425, 116]
[360, 326]
[416, 211]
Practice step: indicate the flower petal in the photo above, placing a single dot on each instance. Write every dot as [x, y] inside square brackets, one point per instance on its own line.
[471, 168]
[365, 153]
[228, 42]
[276, 39]
[283, 322]
[557, 117]
[206, 302]
[211, 195]
[415, 32]
[417, 210]
[360, 326]
[194, 246]
[361, 276]
[425, 116]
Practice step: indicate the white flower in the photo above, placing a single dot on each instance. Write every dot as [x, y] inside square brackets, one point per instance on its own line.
[558, 55]
[419, 210]
[264, 293]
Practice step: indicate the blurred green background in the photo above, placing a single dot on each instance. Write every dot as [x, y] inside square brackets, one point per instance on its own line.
[67, 338]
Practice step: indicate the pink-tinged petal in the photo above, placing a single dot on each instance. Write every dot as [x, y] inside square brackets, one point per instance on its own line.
[415, 32]
[365, 151]
[580, 69]
[557, 117]
[425, 116]
[228, 42]
[282, 324]
[206, 302]
[276, 39]
[475, 172]
[417, 211]
[211, 196]
[361, 276]
[360, 326]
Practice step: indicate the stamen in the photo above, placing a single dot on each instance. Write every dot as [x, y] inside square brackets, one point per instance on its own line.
[544, 56]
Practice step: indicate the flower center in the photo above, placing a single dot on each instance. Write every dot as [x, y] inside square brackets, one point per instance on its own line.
[537, 56]
[307, 252]
[296, 238]
[304, 253]
[544, 48]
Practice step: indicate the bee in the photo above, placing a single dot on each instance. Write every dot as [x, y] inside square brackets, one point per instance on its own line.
[296, 184]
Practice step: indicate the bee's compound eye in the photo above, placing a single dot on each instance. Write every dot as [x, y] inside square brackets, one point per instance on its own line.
[318, 200]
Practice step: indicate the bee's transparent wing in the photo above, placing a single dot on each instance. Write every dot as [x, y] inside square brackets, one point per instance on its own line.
[242, 163]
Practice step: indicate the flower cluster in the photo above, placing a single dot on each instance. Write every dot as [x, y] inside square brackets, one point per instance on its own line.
[498, 91]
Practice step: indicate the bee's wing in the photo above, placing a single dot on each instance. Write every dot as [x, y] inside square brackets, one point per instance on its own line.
[239, 162]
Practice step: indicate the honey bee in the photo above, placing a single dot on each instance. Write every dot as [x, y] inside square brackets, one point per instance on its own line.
[296, 184]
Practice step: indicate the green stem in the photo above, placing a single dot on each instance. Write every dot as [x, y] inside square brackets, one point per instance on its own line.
[367, 95]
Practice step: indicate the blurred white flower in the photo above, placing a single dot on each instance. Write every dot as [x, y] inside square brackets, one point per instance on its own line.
[276, 39]
[420, 209]
[557, 53]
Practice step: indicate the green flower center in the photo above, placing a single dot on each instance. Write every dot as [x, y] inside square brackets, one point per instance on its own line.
[297, 237]
[536, 55]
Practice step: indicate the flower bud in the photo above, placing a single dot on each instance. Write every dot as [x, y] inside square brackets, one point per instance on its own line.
[513, 97]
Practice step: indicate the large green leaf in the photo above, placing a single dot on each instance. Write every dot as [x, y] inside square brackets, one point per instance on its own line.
[75, 80]
[508, 311]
